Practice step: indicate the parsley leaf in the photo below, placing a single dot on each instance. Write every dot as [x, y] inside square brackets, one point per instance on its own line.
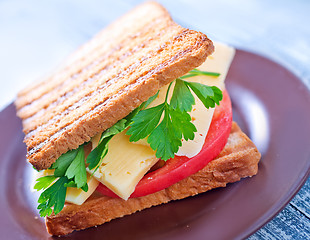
[187, 100]
[166, 137]
[182, 125]
[73, 184]
[44, 182]
[115, 129]
[195, 72]
[55, 196]
[209, 96]
[97, 154]
[145, 122]
[95, 157]
[63, 162]
[163, 139]
[77, 170]
[149, 101]
[70, 171]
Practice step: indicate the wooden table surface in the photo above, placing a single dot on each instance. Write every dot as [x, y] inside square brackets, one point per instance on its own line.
[276, 29]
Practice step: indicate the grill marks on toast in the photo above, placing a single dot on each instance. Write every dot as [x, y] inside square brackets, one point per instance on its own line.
[106, 81]
[85, 68]
[115, 34]
[105, 70]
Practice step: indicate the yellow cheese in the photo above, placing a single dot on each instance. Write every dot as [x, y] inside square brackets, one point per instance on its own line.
[77, 195]
[124, 165]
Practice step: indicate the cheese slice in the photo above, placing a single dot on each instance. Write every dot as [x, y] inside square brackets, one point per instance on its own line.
[124, 165]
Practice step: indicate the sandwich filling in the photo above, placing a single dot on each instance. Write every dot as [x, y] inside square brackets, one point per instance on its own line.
[122, 155]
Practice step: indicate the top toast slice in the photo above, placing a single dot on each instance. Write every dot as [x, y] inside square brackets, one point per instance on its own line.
[105, 79]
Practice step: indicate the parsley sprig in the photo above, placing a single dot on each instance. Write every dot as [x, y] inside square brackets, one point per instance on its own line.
[69, 171]
[165, 125]
[54, 196]
[165, 136]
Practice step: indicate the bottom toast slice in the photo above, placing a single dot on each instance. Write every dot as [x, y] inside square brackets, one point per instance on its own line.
[238, 159]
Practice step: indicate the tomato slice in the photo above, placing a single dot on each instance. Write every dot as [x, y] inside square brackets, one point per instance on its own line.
[180, 167]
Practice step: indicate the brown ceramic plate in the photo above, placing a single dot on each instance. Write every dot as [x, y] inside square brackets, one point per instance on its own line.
[270, 104]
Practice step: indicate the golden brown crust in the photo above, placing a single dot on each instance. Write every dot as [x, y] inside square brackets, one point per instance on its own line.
[106, 79]
[238, 159]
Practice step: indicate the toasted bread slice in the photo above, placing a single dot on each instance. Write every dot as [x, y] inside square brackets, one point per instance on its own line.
[105, 80]
[238, 159]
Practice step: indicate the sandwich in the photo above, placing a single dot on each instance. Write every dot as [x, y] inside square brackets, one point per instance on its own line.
[136, 117]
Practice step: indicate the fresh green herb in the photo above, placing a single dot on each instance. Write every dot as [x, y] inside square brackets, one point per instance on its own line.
[145, 104]
[44, 182]
[145, 122]
[72, 166]
[54, 196]
[195, 72]
[69, 171]
[187, 100]
[63, 162]
[183, 128]
[208, 95]
[95, 157]
[165, 137]
[76, 170]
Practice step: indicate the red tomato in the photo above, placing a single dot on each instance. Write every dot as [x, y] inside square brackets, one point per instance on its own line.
[181, 167]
